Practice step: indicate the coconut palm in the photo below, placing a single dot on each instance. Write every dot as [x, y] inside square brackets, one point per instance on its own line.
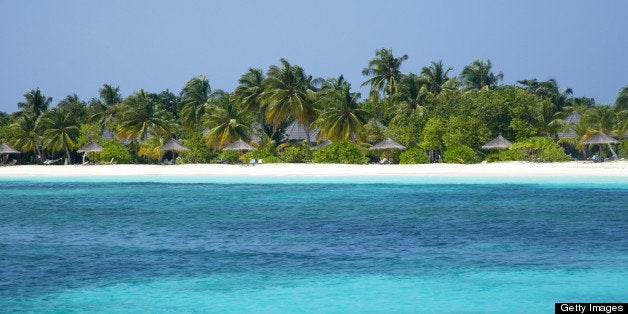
[411, 95]
[340, 117]
[61, 131]
[435, 77]
[289, 92]
[249, 92]
[226, 123]
[549, 89]
[478, 75]
[140, 117]
[621, 103]
[104, 109]
[35, 102]
[194, 101]
[27, 134]
[384, 71]
[74, 104]
[601, 118]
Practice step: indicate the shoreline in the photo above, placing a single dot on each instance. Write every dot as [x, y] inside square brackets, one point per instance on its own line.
[616, 169]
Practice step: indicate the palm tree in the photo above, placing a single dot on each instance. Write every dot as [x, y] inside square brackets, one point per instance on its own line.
[110, 95]
[249, 92]
[289, 92]
[35, 102]
[601, 118]
[61, 131]
[105, 109]
[226, 123]
[478, 75]
[411, 95]
[26, 130]
[340, 117]
[75, 105]
[140, 117]
[621, 103]
[549, 89]
[385, 72]
[435, 77]
[194, 101]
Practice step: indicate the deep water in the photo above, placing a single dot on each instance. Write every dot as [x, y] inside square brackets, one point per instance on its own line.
[297, 247]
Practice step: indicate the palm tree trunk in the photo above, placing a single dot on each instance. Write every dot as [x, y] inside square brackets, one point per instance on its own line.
[40, 157]
[307, 133]
[612, 151]
[68, 160]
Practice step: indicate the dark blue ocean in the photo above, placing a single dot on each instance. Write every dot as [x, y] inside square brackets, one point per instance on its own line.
[304, 245]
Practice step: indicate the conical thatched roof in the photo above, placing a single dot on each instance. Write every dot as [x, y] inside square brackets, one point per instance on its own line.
[172, 145]
[92, 147]
[573, 118]
[600, 138]
[6, 149]
[388, 143]
[239, 145]
[321, 144]
[296, 132]
[499, 142]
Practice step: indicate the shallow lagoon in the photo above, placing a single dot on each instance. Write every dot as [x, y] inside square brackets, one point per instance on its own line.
[312, 243]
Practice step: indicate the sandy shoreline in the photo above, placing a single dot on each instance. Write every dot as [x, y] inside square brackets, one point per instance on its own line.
[502, 169]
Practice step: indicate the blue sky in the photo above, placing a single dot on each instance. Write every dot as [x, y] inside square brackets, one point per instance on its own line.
[66, 47]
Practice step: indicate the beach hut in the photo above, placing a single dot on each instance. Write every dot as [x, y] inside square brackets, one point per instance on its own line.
[498, 143]
[173, 146]
[600, 138]
[386, 145]
[6, 149]
[321, 145]
[573, 118]
[239, 145]
[296, 132]
[92, 147]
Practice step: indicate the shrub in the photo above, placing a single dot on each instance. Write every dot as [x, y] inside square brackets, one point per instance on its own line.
[296, 153]
[231, 156]
[623, 148]
[265, 153]
[460, 154]
[539, 149]
[113, 149]
[343, 152]
[414, 156]
[199, 152]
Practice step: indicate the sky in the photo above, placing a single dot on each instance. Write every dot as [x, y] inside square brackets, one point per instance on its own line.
[65, 47]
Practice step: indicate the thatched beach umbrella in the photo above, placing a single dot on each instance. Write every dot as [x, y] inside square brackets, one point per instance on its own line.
[173, 146]
[92, 147]
[600, 138]
[6, 149]
[498, 143]
[386, 145]
[239, 145]
[321, 145]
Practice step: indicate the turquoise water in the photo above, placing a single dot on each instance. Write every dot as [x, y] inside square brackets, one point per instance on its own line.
[303, 244]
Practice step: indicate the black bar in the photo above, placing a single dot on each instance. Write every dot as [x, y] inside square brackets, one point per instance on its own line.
[584, 308]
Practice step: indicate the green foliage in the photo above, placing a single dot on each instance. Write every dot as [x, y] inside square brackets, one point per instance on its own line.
[465, 131]
[199, 152]
[231, 156]
[623, 148]
[433, 134]
[296, 154]
[89, 133]
[540, 149]
[413, 156]
[460, 154]
[406, 131]
[343, 152]
[113, 149]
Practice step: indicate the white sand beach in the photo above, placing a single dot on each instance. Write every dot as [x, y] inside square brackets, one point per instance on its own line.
[498, 169]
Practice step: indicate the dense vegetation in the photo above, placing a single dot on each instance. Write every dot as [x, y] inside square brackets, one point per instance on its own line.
[437, 115]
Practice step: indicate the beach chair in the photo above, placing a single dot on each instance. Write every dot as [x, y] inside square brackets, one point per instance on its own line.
[260, 161]
[52, 161]
[252, 162]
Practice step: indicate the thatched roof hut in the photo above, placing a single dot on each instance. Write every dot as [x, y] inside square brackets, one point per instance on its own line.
[386, 144]
[239, 145]
[7, 149]
[573, 118]
[92, 147]
[498, 143]
[296, 132]
[173, 145]
[600, 138]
